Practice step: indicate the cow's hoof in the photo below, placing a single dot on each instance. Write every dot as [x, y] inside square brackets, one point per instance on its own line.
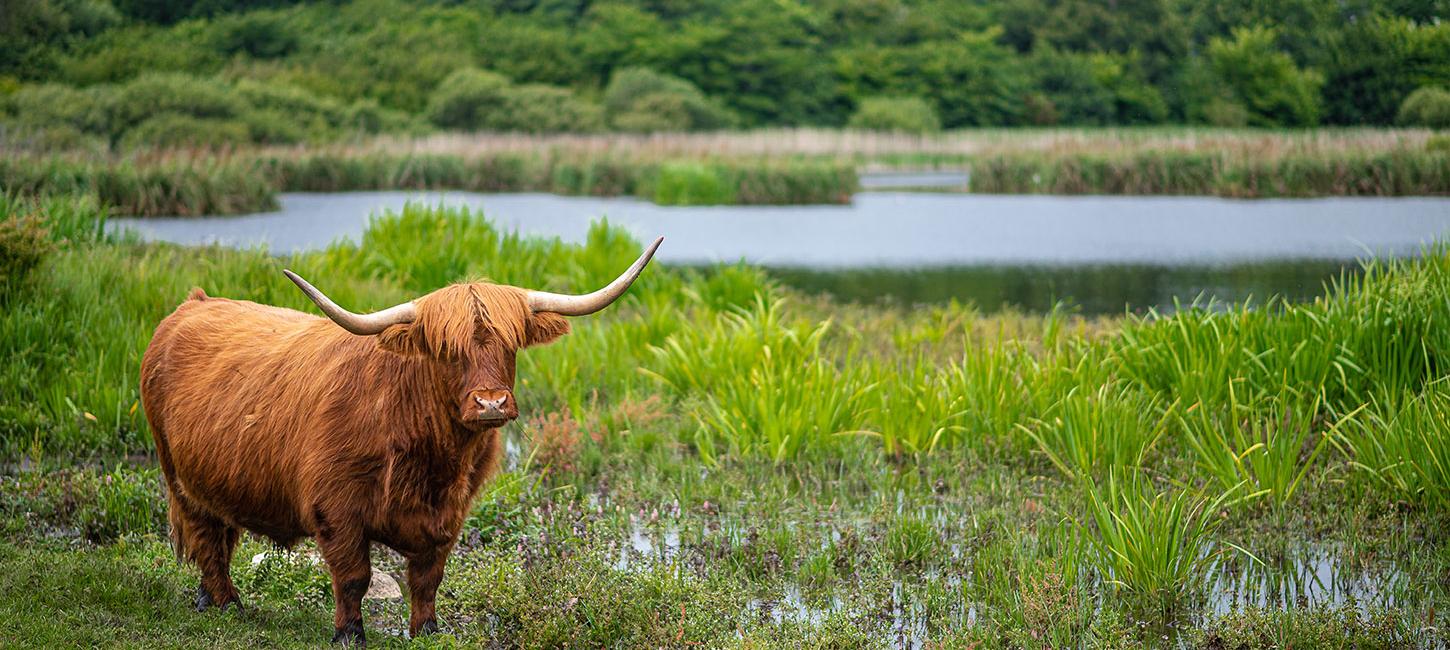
[429, 626]
[235, 603]
[203, 599]
[350, 635]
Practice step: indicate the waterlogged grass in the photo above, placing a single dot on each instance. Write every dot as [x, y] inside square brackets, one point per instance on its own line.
[1156, 546]
[718, 460]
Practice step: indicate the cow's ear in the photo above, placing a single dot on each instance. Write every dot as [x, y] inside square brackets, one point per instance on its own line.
[543, 327]
[400, 339]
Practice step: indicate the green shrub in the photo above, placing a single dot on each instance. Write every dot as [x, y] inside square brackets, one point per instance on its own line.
[468, 99]
[57, 137]
[1427, 106]
[24, 242]
[642, 100]
[86, 110]
[1266, 81]
[368, 116]
[297, 103]
[260, 35]
[279, 113]
[175, 130]
[537, 108]
[653, 113]
[898, 114]
[152, 95]
[475, 100]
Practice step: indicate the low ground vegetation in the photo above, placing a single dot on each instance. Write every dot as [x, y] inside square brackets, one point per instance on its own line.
[720, 460]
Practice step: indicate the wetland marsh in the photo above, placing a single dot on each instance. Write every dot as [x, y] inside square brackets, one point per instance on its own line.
[722, 459]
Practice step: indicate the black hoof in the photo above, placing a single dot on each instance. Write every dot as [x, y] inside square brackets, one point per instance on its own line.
[234, 603]
[203, 599]
[429, 626]
[350, 635]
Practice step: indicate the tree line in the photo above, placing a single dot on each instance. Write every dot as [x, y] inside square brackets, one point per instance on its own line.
[643, 65]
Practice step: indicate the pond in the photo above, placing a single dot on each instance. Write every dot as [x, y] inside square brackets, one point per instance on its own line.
[1102, 254]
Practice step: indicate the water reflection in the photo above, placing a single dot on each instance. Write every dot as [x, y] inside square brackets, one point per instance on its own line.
[1306, 578]
[1090, 289]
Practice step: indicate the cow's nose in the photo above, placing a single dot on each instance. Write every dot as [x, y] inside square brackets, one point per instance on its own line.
[495, 404]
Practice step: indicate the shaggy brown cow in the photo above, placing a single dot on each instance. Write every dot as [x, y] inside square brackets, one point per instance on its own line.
[381, 430]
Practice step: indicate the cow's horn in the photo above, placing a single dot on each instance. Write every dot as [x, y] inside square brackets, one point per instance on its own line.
[591, 302]
[360, 324]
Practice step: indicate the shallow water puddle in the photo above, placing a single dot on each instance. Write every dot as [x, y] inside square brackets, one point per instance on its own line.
[1309, 577]
[1312, 577]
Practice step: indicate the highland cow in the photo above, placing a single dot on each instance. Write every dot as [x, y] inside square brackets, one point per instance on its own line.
[363, 428]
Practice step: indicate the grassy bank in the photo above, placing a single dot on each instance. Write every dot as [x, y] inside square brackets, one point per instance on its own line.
[719, 460]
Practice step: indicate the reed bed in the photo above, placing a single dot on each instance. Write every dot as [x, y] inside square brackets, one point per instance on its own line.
[1399, 173]
[870, 145]
[169, 188]
[800, 166]
[195, 183]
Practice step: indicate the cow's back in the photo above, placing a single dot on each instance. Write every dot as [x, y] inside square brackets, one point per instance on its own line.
[235, 393]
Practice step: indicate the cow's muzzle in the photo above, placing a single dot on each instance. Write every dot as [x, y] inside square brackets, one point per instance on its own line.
[493, 407]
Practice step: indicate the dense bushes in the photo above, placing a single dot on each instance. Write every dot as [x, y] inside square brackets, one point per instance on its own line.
[178, 130]
[468, 99]
[537, 108]
[1252, 79]
[1091, 89]
[751, 63]
[642, 100]
[475, 100]
[901, 114]
[170, 109]
[1428, 106]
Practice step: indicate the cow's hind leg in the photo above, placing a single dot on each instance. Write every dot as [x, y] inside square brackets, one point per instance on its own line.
[346, 551]
[210, 543]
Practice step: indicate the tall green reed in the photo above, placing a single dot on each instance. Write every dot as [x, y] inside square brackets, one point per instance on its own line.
[1269, 446]
[761, 386]
[1153, 546]
[1402, 444]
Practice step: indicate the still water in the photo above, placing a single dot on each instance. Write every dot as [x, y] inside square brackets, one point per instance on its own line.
[1101, 253]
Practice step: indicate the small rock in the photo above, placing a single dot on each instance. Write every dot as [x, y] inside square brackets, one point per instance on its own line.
[383, 587]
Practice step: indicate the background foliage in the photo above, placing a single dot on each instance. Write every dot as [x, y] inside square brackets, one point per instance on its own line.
[79, 69]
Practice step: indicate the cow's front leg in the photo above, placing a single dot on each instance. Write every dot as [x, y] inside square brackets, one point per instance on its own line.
[346, 553]
[425, 572]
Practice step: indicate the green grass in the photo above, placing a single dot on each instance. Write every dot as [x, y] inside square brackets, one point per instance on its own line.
[807, 472]
[1154, 546]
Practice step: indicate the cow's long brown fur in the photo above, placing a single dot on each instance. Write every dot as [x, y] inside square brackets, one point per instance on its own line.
[282, 423]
